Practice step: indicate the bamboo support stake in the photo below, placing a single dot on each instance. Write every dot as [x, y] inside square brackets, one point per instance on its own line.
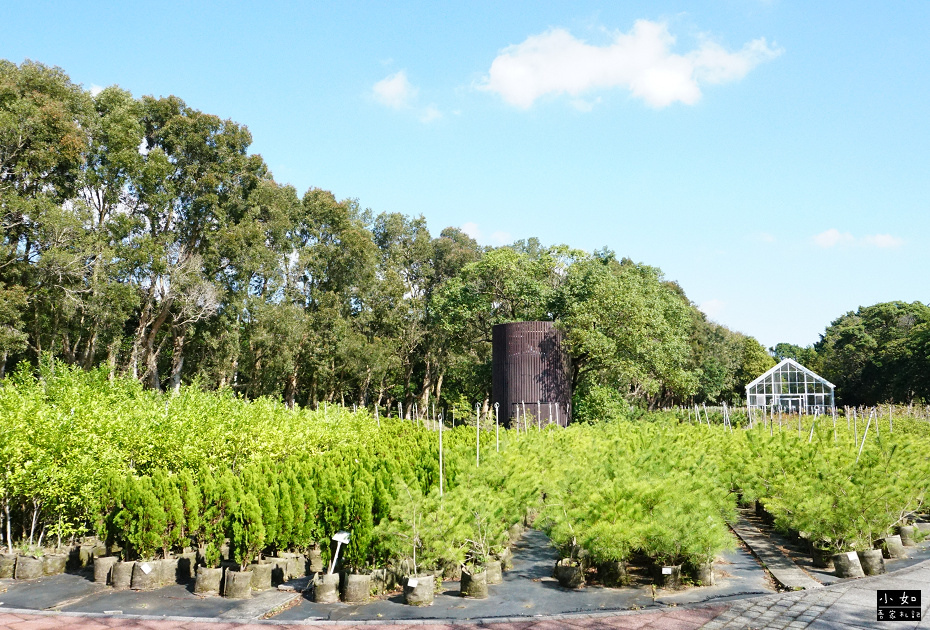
[440, 454]
[477, 434]
[856, 427]
[497, 425]
[864, 434]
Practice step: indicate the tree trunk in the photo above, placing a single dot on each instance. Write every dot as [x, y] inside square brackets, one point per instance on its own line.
[290, 389]
[111, 358]
[177, 362]
[139, 337]
[363, 390]
[90, 350]
[439, 378]
[9, 535]
[427, 385]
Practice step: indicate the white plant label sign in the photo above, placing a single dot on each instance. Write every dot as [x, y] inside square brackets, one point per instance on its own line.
[666, 570]
[412, 582]
[146, 567]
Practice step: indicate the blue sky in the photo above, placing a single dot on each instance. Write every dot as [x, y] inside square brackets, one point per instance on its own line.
[772, 157]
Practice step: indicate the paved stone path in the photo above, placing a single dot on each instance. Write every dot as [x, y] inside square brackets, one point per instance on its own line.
[783, 570]
[851, 604]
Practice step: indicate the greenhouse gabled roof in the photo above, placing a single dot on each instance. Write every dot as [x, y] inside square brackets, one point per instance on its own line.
[794, 364]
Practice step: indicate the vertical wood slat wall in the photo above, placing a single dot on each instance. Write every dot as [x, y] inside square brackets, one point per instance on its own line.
[530, 365]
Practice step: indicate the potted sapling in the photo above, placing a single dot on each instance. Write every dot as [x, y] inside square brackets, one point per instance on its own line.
[141, 521]
[247, 540]
[210, 535]
[356, 580]
[410, 532]
[474, 581]
[610, 544]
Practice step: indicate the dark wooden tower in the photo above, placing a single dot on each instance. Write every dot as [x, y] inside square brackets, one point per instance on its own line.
[530, 369]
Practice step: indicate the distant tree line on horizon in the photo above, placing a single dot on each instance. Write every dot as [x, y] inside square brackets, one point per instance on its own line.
[876, 354]
[140, 235]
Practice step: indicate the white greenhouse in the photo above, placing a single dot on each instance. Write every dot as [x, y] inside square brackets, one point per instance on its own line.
[791, 387]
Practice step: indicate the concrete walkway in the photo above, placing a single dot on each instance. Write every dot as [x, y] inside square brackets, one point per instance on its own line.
[786, 572]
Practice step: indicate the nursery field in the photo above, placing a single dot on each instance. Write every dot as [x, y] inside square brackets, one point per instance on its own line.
[154, 476]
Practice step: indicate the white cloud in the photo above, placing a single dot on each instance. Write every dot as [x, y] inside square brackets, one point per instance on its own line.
[95, 89]
[471, 229]
[395, 91]
[430, 114]
[883, 240]
[495, 238]
[555, 62]
[712, 308]
[834, 237]
[500, 238]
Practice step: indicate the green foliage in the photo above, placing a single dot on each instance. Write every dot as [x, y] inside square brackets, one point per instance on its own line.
[247, 533]
[878, 353]
[640, 483]
[141, 520]
[595, 403]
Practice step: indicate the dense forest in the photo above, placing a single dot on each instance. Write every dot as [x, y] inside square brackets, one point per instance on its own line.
[141, 235]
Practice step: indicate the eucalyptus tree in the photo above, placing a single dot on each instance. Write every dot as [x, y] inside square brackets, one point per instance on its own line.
[43, 139]
[452, 250]
[329, 275]
[196, 168]
[249, 266]
[398, 304]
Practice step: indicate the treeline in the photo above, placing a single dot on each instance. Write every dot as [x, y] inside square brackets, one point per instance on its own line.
[876, 354]
[141, 235]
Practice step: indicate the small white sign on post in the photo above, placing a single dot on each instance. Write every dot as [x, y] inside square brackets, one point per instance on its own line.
[666, 570]
[341, 538]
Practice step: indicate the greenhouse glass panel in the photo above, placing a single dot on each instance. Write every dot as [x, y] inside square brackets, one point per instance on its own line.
[789, 386]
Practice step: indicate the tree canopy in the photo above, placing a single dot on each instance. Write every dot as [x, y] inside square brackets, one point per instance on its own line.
[143, 235]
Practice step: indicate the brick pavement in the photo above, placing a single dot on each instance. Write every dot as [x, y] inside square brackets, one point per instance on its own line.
[669, 619]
